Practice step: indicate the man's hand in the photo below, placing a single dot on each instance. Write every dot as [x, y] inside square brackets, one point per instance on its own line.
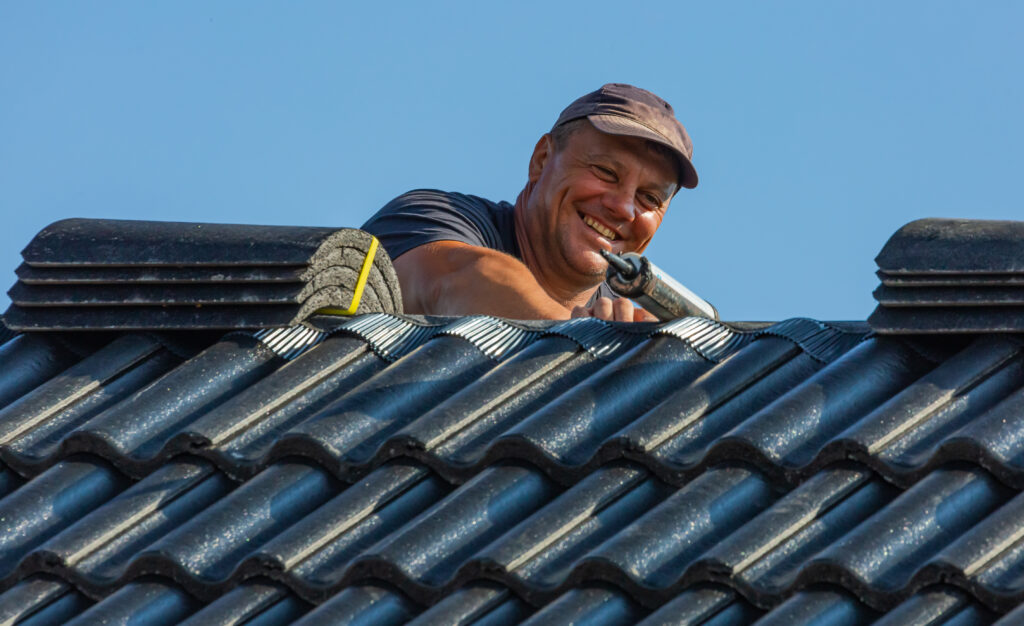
[621, 310]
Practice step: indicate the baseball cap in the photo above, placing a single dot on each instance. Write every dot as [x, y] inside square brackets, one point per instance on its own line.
[621, 109]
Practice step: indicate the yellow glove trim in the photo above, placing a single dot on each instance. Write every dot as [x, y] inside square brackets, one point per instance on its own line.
[357, 293]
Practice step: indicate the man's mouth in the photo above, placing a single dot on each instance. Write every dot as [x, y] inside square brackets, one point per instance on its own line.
[599, 227]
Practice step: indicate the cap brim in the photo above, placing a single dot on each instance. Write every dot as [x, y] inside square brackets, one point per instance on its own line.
[617, 125]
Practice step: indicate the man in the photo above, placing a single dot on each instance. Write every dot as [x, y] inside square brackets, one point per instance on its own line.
[601, 179]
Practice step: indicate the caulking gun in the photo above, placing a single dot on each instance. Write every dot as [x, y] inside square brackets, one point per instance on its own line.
[633, 276]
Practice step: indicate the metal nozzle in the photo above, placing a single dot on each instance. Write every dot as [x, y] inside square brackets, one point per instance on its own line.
[625, 269]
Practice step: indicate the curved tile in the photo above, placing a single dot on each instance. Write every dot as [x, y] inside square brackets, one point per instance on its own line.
[50, 503]
[94, 552]
[28, 360]
[710, 605]
[251, 603]
[791, 431]
[133, 433]
[313, 556]
[32, 427]
[362, 605]
[879, 557]
[589, 605]
[39, 600]
[938, 605]
[819, 606]
[345, 436]
[563, 436]
[140, 603]
[650, 556]
[202, 553]
[448, 534]
[480, 604]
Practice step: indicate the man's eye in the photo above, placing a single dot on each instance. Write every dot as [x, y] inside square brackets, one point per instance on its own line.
[604, 173]
[650, 200]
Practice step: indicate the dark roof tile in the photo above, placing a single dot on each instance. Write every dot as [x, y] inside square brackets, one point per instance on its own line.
[882, 555]
[256, 603]
[764, 557]
[597, 605]
[937, 605]
[95, 551]
[820, 606]
[41, 600]
[51, 502]
[202, 553]
[142, 603]
[706, 604]
[362, 605]
[480, 604]
[30, 360]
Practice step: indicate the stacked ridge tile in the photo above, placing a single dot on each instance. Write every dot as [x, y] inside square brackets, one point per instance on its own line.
[92, 274]
[951, 276]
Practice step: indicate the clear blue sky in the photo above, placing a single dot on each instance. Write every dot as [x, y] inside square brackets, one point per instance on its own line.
[819, 127]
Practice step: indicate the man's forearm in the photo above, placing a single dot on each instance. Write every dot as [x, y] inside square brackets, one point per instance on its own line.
[451, 278]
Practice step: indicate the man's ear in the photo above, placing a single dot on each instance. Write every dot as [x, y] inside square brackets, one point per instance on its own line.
[541, 153]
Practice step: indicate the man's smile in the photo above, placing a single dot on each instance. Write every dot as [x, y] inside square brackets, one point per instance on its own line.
[600, 228]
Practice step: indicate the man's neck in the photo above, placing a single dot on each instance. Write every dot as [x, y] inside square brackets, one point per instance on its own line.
[553, 280]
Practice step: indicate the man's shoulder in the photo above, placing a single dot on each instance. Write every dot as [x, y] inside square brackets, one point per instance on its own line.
[424, 216]
[450, 199]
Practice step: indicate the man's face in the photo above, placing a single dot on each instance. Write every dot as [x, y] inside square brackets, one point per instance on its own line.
[599, 191]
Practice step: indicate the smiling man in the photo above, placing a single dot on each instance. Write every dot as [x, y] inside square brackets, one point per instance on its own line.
[601, 179]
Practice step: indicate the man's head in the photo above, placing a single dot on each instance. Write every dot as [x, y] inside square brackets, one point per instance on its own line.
[620, 109]
[602, 179]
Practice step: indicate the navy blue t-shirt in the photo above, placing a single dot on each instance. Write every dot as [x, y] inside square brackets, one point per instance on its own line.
[424, 216]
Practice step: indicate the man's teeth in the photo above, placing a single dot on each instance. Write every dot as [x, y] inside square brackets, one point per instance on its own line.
[601, 228]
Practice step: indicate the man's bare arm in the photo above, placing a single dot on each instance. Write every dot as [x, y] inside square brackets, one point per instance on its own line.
[455, 278]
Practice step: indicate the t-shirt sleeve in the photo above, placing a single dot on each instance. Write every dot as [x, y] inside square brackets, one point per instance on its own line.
[426, 215]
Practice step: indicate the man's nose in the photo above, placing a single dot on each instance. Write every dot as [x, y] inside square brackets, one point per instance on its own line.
[620, 203]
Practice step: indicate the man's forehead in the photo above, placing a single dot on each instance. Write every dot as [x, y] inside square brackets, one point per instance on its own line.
[620, 148]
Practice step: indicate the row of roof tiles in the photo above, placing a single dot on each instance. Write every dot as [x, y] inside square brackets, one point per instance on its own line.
[399, 467]
[511, 524]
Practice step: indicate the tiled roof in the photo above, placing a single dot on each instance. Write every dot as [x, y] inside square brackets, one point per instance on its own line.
[477, 470]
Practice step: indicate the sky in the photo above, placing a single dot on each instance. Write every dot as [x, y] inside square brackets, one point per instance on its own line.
[819, 128]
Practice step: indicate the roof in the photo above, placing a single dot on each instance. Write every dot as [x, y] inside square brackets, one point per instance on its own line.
[157, 466]
[477, 470]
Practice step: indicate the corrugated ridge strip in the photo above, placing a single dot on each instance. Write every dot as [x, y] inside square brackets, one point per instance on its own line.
[392, 337]
[820, 341]
[712, 340]
[494, 337]
[715, 341]
[292, 341]
[601, 339]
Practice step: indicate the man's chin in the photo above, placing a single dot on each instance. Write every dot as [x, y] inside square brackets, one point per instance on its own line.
[591, 265]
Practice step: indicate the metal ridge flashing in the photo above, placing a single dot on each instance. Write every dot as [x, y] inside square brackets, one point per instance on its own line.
[292, 341]
[393, 336]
